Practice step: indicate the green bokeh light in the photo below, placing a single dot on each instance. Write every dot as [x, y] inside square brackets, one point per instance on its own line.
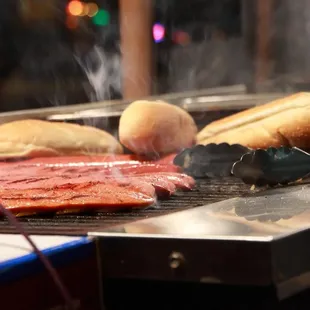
[102, 18]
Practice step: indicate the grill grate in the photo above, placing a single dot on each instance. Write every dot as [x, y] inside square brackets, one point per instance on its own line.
[207, 191]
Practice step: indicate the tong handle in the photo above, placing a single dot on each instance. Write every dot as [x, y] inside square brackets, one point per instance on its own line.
[272, 166]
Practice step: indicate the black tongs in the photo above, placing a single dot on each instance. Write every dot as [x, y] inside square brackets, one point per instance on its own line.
[256, 167]
[211, 160]
[272, 166]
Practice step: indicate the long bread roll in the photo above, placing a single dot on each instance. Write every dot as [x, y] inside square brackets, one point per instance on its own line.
[148, 127]
[36, 138]
[283, 122]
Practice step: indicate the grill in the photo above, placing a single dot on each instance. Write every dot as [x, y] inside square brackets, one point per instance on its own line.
[207, 191]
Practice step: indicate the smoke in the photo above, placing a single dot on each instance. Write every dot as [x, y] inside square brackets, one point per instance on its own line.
[208, 64]
[103, 72]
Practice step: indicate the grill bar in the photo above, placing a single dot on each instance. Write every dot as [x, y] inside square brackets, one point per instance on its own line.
[207, 191]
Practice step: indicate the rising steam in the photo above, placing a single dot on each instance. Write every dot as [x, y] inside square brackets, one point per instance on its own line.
[103, 73]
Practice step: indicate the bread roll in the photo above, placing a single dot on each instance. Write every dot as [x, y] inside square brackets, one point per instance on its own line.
[283, 122]
[156, 127]
[35, 138]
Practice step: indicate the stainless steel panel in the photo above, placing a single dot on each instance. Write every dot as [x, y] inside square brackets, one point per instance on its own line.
[206, 99]
[191, 104]
[259, 240]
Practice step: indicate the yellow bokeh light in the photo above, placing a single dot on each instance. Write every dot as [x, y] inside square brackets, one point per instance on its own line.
[75, 8]
[85, 10]
[92, 9]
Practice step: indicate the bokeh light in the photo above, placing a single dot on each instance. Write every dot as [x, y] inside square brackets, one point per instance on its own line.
[158, 32]
[75, 8]
[102, 18]
[72, 22]
[85, 10]
[181, 37]
[92, 9]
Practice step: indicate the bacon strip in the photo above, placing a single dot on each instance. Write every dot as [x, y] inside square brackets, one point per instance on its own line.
[85, 160]
[90, 196]
[124, 170]
[66, 183]
[164, 183]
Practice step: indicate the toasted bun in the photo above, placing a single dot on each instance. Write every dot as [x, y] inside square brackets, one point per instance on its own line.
[148, 127]
[35, 138]
[283, 122]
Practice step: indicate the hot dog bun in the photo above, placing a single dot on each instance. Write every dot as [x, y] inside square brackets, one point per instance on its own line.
[148, 127]
[35, 138]
[283, 122]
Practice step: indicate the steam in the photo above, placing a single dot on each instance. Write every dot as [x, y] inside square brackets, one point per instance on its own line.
[213, 63]
[102, 71]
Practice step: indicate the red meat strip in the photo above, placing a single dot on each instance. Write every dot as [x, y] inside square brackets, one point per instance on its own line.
[180, 180]
[89, 196]
[162, 185]
[74, 159]
[66, 183]
[37, 167]
[86, 160]
[124, 170]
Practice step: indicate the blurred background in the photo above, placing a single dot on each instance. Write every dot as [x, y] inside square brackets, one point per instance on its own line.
[62, 52]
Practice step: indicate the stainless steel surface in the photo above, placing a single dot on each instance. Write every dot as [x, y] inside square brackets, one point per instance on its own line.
[262, 217]
[191, 104]
[228, 102]
[100, 113]
[207, 99]
[115, 105]
[257, 240]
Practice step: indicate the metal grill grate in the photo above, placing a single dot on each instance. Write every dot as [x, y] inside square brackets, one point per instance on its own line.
[207, 191]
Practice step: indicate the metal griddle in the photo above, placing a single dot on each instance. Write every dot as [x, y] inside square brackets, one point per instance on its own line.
[261, 240]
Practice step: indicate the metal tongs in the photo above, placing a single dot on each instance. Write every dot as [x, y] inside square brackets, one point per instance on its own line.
[212, 160]
[271, 167]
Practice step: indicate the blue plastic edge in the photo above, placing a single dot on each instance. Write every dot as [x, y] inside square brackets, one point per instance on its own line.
[60, 255]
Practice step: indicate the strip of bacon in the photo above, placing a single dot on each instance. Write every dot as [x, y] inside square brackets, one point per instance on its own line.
[162, 185]
[86, 160]
[89, 196]
[123, 170]
[19, 167]
[73, 159]
[180, 180]
[62, 185]
[165, 184]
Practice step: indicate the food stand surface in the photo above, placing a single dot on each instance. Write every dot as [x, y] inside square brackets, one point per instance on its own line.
[260, 241]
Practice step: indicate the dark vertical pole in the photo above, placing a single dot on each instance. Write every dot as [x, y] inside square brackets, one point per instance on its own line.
[264, 9]
[248, 11]
[136, 47]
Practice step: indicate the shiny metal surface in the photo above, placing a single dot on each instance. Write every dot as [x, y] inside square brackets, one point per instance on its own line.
[227, 102]
[212, 99]
[114, 105]
[262, 216]
[191, 104]
[262, 239]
